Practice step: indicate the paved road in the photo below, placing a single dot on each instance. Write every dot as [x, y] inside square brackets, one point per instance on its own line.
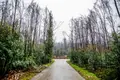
[59, 70]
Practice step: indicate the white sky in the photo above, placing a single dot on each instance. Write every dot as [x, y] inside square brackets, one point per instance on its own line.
[64, 10]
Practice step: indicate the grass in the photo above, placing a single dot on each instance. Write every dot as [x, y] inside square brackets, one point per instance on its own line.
[30, 74]
[86, 74]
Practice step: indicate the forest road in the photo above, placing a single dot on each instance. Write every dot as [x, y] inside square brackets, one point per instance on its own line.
[59, 70]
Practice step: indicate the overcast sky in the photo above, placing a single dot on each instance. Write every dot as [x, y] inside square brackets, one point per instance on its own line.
[64, 10]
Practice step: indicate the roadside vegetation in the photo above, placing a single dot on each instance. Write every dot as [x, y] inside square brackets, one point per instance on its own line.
[95, 40]
[24, 43]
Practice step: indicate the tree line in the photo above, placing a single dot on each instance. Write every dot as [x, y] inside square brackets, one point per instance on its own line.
[94, 40]
[26, 35]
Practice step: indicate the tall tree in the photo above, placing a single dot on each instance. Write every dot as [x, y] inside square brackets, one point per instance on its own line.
[49, 40]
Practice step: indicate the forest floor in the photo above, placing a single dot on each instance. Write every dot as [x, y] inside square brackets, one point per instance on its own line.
[59, 70]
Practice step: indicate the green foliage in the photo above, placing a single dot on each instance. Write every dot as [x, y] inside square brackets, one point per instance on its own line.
[106, 74]
[116, 52]
[94, 61]
[24, 63]
[116, 47]
[39, 55]
[12, 54]
[12, 51]
[49, 41]
[8, 48]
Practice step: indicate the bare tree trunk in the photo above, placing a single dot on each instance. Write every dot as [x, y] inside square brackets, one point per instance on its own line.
[14, 16]
[115, 2]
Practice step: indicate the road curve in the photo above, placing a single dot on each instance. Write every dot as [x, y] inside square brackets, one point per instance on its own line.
[59, 70]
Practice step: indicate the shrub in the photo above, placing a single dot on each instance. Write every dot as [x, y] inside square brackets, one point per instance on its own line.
[12, 54]
[106, 74]
[103, 64]
[39, 55]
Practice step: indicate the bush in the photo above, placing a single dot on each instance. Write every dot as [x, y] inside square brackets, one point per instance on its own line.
[39, 55]
[12, 54]
[106, 74]
[8, 48]
[74, 57]
[103, 64]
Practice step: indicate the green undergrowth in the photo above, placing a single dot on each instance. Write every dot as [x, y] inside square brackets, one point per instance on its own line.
[86, 74]
[30, 74]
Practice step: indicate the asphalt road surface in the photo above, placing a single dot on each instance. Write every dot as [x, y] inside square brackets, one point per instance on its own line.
[59, 70]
